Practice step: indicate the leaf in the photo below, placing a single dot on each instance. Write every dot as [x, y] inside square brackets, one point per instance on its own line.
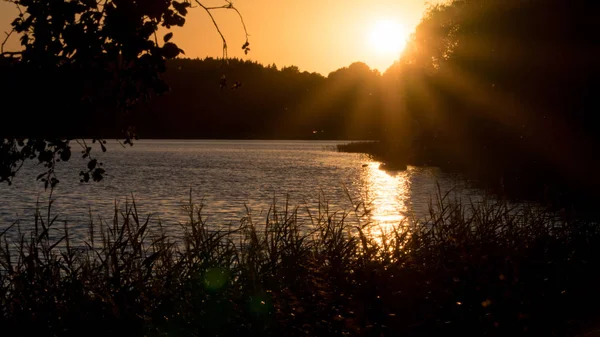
[170, 50]
[65, 154]
[97, 175]
[92, 164]
[246, 47]
[168, 37]
[181, 7]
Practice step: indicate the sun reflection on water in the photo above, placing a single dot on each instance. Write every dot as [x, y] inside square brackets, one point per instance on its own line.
[387, 194]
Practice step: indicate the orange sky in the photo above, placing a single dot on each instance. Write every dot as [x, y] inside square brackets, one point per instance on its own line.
[315, 35]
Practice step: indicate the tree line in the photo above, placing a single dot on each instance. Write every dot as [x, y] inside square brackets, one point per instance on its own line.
[212, 98]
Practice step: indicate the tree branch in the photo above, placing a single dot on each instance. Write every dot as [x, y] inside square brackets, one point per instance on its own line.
[5, 40]
[208, 11]
[8, 35]
[230, 7]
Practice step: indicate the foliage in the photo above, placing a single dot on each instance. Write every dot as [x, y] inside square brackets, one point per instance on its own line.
[82, 64]
[503, 90]
[486, 269]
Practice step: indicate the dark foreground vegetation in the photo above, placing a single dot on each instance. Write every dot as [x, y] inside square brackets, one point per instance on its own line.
[468, 270]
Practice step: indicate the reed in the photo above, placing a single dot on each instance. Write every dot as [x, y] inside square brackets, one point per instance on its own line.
[467, 269]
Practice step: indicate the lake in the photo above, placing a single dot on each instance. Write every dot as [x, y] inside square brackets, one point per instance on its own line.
[226, 176]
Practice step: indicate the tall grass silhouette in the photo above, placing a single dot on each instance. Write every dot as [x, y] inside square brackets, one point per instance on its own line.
[468, 269]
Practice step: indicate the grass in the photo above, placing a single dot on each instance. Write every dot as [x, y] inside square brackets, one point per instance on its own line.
[470, 270]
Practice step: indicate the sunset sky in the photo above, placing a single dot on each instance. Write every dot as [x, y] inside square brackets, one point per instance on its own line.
[315, 35]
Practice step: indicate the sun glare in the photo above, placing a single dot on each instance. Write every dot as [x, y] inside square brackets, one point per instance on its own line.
[388, 37]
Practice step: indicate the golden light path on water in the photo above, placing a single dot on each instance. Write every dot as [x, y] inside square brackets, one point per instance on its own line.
[399, 199]
[387, 194]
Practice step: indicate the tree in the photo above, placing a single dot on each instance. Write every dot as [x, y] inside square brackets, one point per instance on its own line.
[83, 63]
[504, 88]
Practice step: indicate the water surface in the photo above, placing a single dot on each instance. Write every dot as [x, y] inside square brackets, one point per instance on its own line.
[229, 178]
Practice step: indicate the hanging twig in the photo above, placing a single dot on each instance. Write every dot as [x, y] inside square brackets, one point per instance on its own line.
[230, 7]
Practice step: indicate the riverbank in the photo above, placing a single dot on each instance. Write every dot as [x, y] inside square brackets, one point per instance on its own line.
[467, 269]
[513, 177]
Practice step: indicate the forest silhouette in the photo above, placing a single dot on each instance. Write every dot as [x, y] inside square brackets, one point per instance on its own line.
[243, 99]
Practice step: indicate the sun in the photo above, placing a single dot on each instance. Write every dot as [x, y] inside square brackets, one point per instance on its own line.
[388, 37]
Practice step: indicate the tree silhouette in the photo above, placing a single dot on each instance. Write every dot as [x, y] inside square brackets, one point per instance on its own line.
[504, 88]
[83, 63]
